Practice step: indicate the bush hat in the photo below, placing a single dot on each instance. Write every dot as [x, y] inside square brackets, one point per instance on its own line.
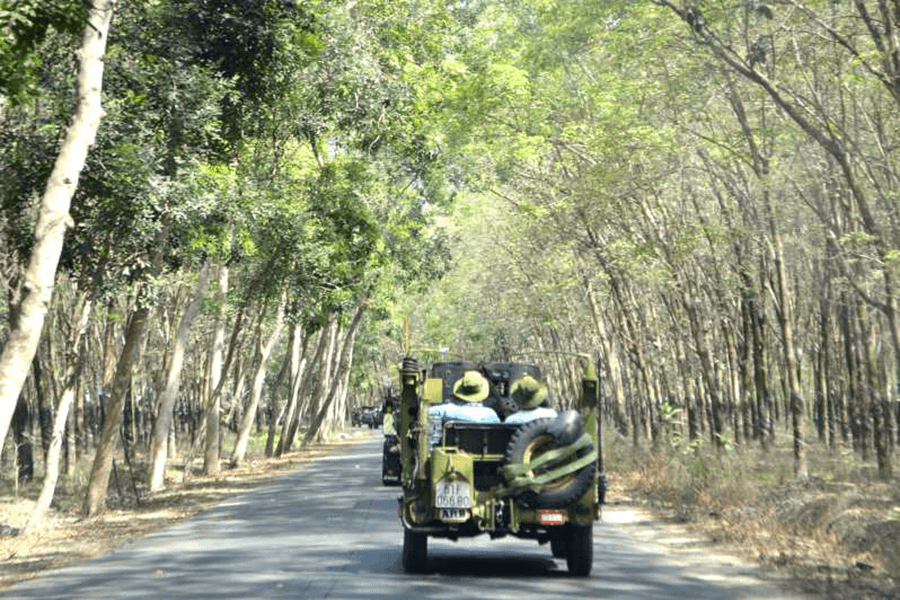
[528, 392]
[471, 387]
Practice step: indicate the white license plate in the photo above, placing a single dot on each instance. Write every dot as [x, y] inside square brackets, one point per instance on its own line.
[454, 515]
[452, 494]
[551, 517]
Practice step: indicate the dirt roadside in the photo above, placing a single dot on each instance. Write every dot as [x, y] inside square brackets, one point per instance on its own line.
[785, 557]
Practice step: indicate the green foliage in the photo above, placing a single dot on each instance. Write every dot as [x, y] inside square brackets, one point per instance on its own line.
[161, 124]
[25, 25]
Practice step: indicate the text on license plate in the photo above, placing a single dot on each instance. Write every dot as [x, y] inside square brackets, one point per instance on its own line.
[454, 515]
[452, 494]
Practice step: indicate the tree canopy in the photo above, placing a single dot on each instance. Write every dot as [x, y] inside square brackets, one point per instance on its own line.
[702, 196]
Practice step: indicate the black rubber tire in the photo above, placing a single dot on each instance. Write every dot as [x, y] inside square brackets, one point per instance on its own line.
[558, 547]
[415, 551]
[580, 550]
[390, 461]
[532, 438]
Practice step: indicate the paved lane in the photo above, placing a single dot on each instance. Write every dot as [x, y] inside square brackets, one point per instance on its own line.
[331, 531]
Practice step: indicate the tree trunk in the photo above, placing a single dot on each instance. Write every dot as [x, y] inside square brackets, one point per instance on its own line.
[296, 345]
[98, 482]
[169, 394]
[323, 365]
[342, 367]
[277, 405]
[873, 404]
[24, 451]
[785, 314]
[700, 334]
[288, 435]
[44, 404]
[213, 403]
[73, 371]
[53, 217]
[265, 350]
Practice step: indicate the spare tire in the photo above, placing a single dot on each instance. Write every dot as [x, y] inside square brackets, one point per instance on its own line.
[533, 439]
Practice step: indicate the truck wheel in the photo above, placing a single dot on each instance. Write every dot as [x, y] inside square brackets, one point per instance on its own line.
[558, 547]
[415, 551]
[530, 441]
[580, 550]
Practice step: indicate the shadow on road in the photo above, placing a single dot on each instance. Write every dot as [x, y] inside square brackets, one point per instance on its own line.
[331, 531]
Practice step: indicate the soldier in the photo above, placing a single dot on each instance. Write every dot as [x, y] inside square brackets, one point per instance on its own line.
[531, 397]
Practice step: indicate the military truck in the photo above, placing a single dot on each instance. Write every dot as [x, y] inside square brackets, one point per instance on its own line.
[535, 480]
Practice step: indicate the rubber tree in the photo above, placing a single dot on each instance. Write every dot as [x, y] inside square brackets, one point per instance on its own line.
[341, 370]
[263, 352]
[98, 482]
[169, 394]
[211, 443]
[704, 23]
[53, 216]
[74, 365]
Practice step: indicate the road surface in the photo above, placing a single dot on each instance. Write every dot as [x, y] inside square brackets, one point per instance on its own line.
[331, 531]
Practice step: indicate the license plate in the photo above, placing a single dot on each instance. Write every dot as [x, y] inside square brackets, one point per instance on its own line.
[551, 517]
[454, 515]
[452, 494]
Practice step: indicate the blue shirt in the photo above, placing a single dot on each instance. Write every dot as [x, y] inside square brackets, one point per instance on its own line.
[474, 412]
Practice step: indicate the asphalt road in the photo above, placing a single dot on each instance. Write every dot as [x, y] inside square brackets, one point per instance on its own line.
[331, 531]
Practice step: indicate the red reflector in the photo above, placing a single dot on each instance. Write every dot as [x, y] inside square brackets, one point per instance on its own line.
[551, 517]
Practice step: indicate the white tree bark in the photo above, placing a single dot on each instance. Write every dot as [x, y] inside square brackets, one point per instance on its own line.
[291, 369]
[265, 351]
[342, 366]
[287, 436]
[53, 217]
[158, 448]
[211, 453]
[73, 369]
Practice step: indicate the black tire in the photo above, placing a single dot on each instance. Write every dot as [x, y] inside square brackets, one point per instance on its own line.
[558, 546]
[415, 551]
[580, 550]
[390, 461]
[534, 438]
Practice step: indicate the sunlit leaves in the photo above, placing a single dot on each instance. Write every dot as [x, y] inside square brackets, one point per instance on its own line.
[25, 25]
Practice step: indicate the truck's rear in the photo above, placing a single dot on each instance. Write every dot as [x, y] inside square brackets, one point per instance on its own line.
[535, 480]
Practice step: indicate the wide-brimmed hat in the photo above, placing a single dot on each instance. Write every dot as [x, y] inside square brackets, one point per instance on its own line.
[471, 387]
[528, 392]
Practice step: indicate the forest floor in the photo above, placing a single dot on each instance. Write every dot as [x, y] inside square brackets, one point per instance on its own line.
[834, 536]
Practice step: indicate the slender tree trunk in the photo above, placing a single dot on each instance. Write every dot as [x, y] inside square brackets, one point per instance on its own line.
[73, 371]
[53, 216]
[323, 365]
[44, 404]
[287, 438]
[71, 450]
[856, 425]
[169, 394]
[297, 371]
[700, 335]
[265, 350]
[279, 406]
[341, 368]
[95, 498]
[213, 403]
[798, 415]
[873, 405]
